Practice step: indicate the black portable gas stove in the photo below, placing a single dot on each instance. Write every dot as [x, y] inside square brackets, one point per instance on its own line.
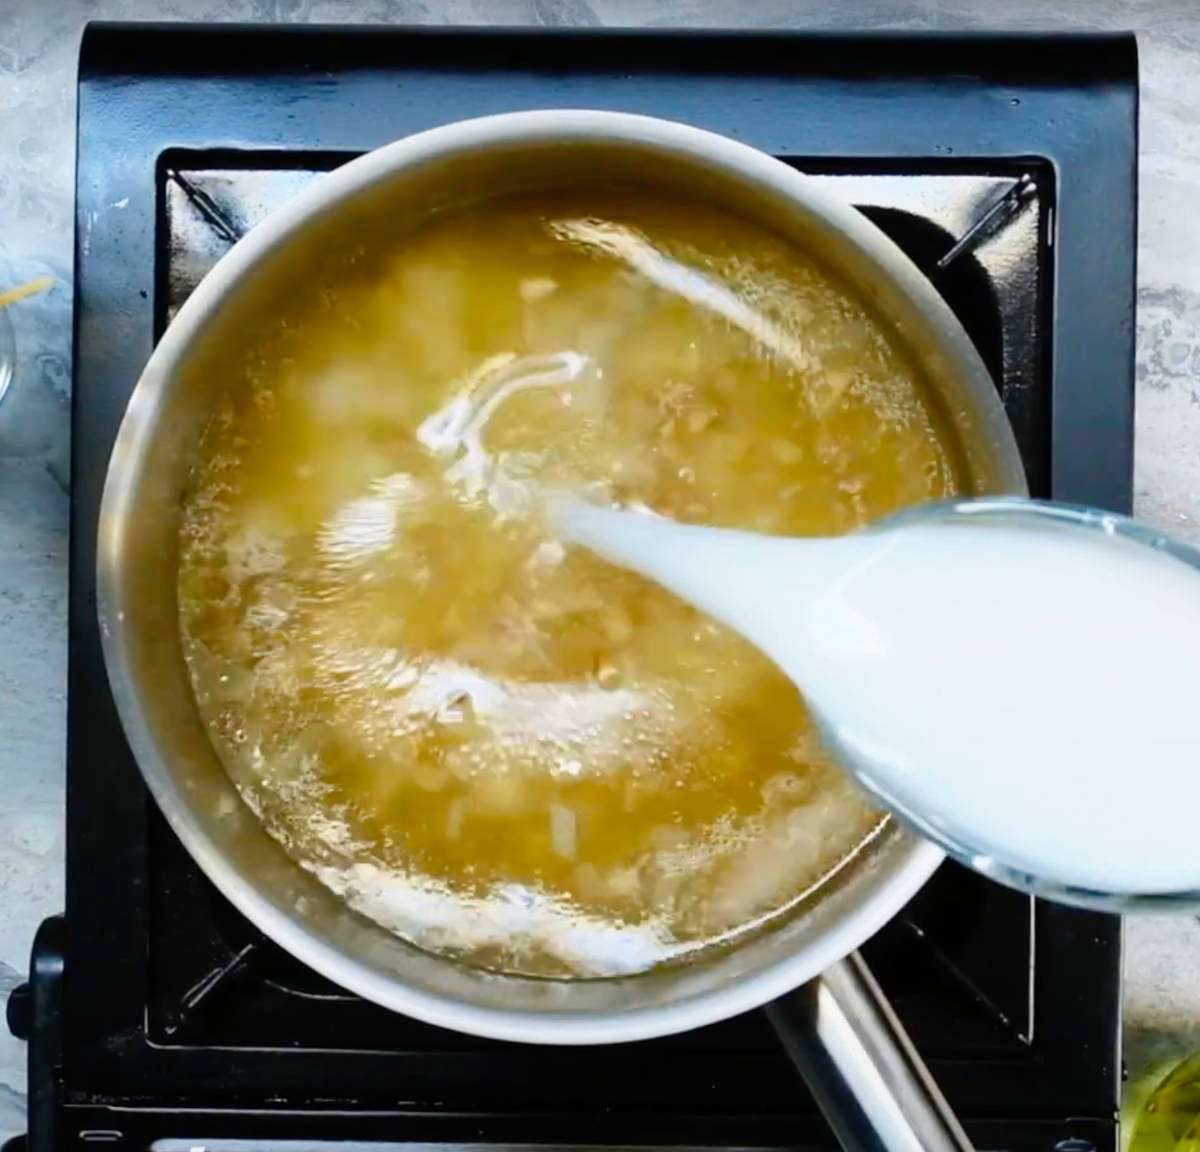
[1004, 165]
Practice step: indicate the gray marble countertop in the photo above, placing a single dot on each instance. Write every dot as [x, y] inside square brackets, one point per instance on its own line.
[38, 50]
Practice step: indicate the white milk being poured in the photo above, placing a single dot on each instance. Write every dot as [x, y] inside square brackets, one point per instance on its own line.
[1025, 689]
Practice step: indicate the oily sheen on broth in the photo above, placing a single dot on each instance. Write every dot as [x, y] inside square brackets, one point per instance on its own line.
[496, 746]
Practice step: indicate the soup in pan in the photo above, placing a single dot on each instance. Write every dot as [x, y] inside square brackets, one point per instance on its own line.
[498, 747]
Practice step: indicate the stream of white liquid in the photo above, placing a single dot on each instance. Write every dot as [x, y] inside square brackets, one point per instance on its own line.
[1029, 691]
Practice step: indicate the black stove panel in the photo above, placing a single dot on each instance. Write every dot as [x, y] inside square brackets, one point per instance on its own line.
[1005, 166]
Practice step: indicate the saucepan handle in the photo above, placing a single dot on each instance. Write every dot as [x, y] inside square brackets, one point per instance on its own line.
[859, 1063]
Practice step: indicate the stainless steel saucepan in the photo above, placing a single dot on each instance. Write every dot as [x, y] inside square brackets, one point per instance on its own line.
[844, 1037]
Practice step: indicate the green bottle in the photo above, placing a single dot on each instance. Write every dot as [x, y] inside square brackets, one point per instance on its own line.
[1168, 1119]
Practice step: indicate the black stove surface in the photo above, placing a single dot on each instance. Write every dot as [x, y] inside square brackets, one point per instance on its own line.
[1004, 166]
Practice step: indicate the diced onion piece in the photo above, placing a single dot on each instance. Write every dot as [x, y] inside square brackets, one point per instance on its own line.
[562, 831]
[535, 287]
[785, 451]
[454, 818]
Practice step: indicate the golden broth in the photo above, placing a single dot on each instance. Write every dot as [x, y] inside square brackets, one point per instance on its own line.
[498, 747]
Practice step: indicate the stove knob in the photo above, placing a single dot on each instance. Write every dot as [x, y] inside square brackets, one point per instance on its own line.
[20, 1011]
